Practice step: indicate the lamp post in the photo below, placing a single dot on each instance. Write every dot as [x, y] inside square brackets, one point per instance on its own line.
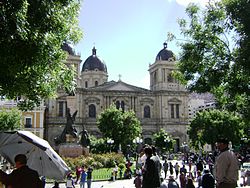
[110, 142]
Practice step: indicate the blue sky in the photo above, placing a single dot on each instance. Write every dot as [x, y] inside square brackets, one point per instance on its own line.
[129, 34]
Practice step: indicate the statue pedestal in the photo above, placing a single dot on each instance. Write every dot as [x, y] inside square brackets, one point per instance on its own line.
[71, 148]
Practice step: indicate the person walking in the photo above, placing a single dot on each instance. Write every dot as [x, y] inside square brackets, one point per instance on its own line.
[83, 178]
[70, 182]
[165, 168]
[183, 180]
[151, 177]
[190, 183]
[207, 180]
[199, 179]
[171, 168]
[157, 160]
[89, 177]
[226, 166]
[22, 176]
[78, 173]
[56, 185]
[177, 169]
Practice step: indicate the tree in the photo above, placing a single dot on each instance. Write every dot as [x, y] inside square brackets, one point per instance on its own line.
[10, 120]
[209, 125]
[120, 126]
[215, 55]
[163, 140]
[32, 33]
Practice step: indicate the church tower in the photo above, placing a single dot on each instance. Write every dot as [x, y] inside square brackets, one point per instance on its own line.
[161, 72]
[94, 71]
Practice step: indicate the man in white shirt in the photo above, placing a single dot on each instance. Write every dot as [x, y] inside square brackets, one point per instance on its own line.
[226, 166]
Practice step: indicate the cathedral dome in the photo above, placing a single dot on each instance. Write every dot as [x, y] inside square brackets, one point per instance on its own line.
[93, 63]
[165, 54]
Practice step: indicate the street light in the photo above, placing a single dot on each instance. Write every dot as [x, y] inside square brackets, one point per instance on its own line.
[110, 142]
[137, 140]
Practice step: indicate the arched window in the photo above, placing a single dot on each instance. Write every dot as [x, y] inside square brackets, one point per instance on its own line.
[86, 84]
[117, 104]
[92, 111]
[146, 111]
[122, 106]
[96, 83]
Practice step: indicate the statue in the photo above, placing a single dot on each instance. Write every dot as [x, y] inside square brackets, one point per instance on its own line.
[69, 129]
[84, 141]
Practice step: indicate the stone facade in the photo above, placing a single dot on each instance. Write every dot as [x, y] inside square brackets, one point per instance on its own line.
[164, 105]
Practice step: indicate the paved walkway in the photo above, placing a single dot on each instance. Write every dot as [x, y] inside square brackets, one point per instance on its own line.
[128, 183]
[103, 184]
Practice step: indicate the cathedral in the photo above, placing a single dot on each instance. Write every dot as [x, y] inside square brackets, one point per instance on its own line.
[163, 106]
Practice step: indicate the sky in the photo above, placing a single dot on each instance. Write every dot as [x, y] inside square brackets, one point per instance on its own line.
[129, 34]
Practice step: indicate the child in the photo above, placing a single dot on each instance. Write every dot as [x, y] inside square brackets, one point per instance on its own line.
[70, 182]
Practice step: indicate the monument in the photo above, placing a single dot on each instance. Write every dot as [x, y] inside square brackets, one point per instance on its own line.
[68, 141]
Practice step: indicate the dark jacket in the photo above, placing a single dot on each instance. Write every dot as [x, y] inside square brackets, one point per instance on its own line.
[207, 181]
[151, 177]
[23, 177]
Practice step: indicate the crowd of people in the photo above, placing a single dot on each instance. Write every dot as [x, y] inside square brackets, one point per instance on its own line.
[219, 169]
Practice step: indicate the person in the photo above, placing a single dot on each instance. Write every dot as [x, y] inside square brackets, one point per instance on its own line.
[157, 160]
[183, 169]
[83, 178]
[199, 165]
[172, 183]
[43, 181]
[183, 180]
[70, 182]
[151, 177]
[163, 184]
[138, 181]
[226, 166]
[190, 183]
[207, 180]
[171, 168]
[22, 176]
[56, 185]
[89, 177]
[199, 179]
[177, 169]
[165, 168]
[78, 173]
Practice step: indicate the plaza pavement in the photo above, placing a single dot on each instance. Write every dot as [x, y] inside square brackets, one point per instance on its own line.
[127, 183]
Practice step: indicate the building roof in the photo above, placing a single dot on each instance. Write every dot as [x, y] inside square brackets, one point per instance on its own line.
[117, 86]
[165, 54]
[93, 63]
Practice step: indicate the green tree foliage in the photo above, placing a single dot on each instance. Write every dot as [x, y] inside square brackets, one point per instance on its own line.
[163, 141]
[98, 145]
[216, 51]
[209, 125]
[10, 120]
[122, 127]
[32, 33]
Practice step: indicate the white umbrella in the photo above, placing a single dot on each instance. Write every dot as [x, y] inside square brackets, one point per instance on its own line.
[41, 157]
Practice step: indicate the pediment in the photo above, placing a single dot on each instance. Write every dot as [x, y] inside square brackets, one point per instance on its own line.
[174, 101]
[121, 86]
